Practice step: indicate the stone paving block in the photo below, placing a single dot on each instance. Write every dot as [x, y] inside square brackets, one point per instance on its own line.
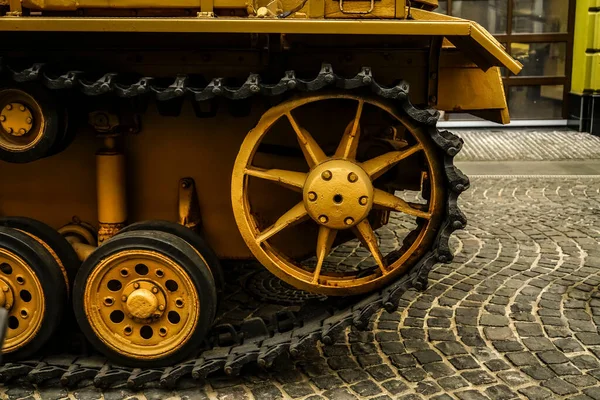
[536, 393]
[559, 386]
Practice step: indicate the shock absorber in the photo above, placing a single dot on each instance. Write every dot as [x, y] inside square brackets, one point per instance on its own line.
[110, 189]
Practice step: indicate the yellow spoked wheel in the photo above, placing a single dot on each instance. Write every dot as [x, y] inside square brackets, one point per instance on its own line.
[33, 291]
[145, 298]
[29, 124]
[342, 191]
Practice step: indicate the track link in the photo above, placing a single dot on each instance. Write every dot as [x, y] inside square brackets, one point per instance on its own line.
[255, 340]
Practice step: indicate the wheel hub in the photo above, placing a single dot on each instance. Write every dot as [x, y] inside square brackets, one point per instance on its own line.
[338, 194]
[16, 119]
[144, 300]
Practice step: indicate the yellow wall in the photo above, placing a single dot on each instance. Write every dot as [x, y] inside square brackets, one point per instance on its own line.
[586, 64]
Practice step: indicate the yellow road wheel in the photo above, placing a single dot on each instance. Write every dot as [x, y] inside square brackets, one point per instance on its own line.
[32, 290]
[145, 299]
[30, 125]
[340, 193]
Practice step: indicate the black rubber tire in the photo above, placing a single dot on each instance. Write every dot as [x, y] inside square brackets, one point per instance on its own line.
[193, 238]
[52, 134]
[170, 246]
[51, 237]
[53, 286]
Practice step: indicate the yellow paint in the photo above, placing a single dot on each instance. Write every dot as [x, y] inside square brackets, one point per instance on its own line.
[587, 33]
[21, 121]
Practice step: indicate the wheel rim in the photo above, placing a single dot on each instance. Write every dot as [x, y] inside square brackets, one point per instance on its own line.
[334, 180]
[22, 122]
[141, 304]
[22, 295]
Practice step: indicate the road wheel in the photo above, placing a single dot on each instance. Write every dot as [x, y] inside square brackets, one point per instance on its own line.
[145, 299]
[32, 289]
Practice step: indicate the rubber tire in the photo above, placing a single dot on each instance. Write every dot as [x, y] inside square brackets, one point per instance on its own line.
[51, 237]
[52, 134]
[179, 251]
[193, 238]
[53, 286]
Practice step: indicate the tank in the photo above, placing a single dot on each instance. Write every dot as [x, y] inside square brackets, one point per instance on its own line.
[152, 153]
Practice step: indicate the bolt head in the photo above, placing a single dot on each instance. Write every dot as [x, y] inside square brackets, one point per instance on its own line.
[154, 289]
[323, 219]
[22, 131]
[9, 107]
[312, 196]
[352, 177]
[2, 118]
[29, 120]
[363, 200]
[161, 307]
[123, 298]
[10, 130]
[5, 288]
[349, 221]
[136, 285]
[326, 175]
[22, 108]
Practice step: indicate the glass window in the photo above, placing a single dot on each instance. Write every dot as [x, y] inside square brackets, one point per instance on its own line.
[535, 102]
[442, 7]
[491, 14]
[540, 16]
[540, 59]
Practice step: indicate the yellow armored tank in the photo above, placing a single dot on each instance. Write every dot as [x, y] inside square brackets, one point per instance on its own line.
[145, 146]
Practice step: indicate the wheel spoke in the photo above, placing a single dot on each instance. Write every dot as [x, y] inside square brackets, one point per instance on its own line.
[388, 201]
[324, 243]
[311, 149]
[377, 166]
[349, 143]
[290, 179]
[292, 217]
[365, 233]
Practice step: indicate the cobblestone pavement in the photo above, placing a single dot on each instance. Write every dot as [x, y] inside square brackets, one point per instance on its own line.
[516, 315]
[527, 145]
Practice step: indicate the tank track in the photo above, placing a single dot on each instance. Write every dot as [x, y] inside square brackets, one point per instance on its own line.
[256, 340]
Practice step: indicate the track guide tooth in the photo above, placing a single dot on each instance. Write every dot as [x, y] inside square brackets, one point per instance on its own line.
[11, 371]
[172, 375]
[32, 73]
[175, 90]
[76, 374]
[139, 377]
[305, 339]
[254, 328]
[273, 348]
[43, 372]
[240, 356]
[210, 361]
[334, 326]
[102, 86]
[109, 376]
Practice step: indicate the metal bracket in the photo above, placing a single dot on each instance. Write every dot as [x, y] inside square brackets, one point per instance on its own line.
[435, 48]
[357, 12]
[189, 208]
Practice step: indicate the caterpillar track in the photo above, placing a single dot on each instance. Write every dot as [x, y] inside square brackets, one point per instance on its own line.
[260, 341]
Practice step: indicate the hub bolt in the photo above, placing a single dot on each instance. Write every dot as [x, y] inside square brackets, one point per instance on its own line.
[22, 131]
[326, 175]
[349, 221]
[9, 107]
[363, 200]
[123, 298]
[5, 288]
[154, 289]
[10, 130]
[136, 285]
[29, 120]
[323, 219]
[22, 108]
[162, 331]
[127, 330]
[352, 177]
[2, 118]
[312, 196]
[161, 307]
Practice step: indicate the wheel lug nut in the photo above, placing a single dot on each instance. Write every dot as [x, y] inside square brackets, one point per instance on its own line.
[22, 131]
[22, 108]
[127, 330]
[312, 196]
[124, 298]
[161, 307]
[162, 331]
[29, 120]
[136, 285]
[326, 175]
[349, 221]
[363, 200]
[9, 107]
[10, 130]
[352, 177]
[5, 288]
[154, 289]
[323, 219]
[2, 118]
